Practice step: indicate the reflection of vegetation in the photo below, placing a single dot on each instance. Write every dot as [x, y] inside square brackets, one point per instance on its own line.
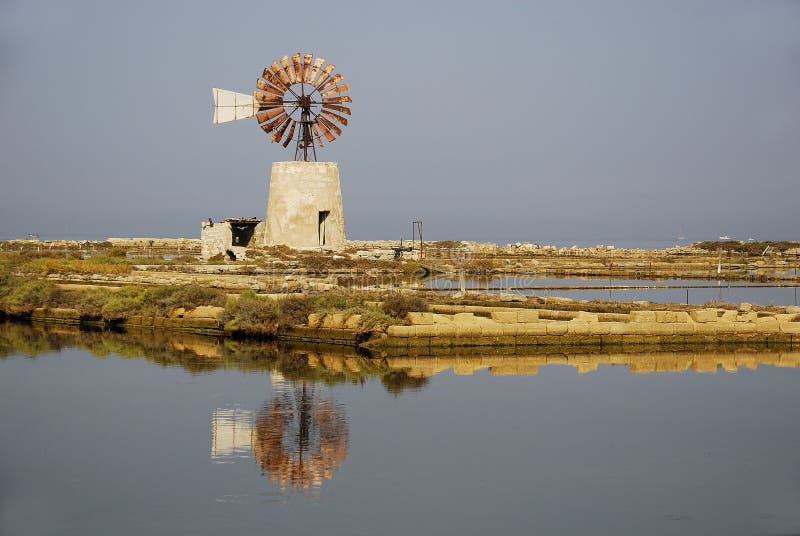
[397, 381]
[198, 354]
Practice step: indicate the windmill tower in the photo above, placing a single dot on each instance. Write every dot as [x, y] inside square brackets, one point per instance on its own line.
[299, 102]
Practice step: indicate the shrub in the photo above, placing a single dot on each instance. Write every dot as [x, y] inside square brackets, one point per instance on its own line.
[252, 314]
[295, 310]
[219, 257]
[164, 299]
[373, 319]
[124, 303]
[89, 302]
[28, 296]
[399, 305]
[336, 301]
[117, 253]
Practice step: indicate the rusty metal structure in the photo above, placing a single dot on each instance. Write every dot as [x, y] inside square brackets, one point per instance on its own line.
[297, 99]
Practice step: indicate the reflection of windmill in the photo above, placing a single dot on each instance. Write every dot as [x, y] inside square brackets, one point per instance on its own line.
[299, 439]
[295, 99]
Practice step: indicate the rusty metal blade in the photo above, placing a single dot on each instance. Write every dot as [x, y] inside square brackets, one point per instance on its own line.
[269, 114]
[337, 89]
[307, 66]
[280, 73]
[317, 134]
[332, 80]
[326, 132]
[330, 125]
[315, 70]
[269, 127]
[325, 73]
[337, 100]
[260, 96]
[291, 133]
[335, 117]
[274, 80]
[262, 85]
[287, 68]
[297, 73]
[279, 133]
[343, 109]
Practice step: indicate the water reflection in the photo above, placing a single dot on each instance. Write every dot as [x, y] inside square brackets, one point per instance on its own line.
[397, 372]
[298, 438]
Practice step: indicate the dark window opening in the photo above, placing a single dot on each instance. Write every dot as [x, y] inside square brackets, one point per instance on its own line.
[242, 233]
[323, 215]
[230, 254]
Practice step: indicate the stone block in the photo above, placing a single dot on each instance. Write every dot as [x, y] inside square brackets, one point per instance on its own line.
[745, 327]
[787, 317]
[509, 329]
[682, 316]
[205, 311]
[729, 316]
[468, 330]
[642, 316]
[725, 326]
[177, 312]
[767, 324]
[425, 330]
[683, 328]
[505, 317]
[448, 329]
[577, 327]
[200, 323]
[400, 331]
[464, 317]
[420, 319]
[600, 328]
[666, 316]
[556, 328]
[333, 321]
[527, 315]
[584, 316]
[315, 320]
[352, 322]
[442, 319]
[745, 307]
[704, 315]
[752, 316]
[792, 328]
[538, 328]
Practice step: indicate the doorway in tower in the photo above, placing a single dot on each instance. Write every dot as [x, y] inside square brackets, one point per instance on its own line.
[323, 216]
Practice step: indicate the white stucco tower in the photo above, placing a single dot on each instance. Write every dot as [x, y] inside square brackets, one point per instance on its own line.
[304, 209]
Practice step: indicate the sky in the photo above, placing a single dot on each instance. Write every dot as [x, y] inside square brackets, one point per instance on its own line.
[549, 122]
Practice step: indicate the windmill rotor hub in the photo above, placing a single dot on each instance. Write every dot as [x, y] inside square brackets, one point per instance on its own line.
[301, 89]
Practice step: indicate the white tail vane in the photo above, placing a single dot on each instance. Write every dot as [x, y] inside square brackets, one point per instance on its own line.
[230, 106]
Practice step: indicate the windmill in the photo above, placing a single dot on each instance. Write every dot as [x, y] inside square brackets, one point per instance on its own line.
[297, 100]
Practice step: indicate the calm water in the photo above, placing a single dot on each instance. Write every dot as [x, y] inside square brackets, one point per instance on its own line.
[108, 433]
[699, 292]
